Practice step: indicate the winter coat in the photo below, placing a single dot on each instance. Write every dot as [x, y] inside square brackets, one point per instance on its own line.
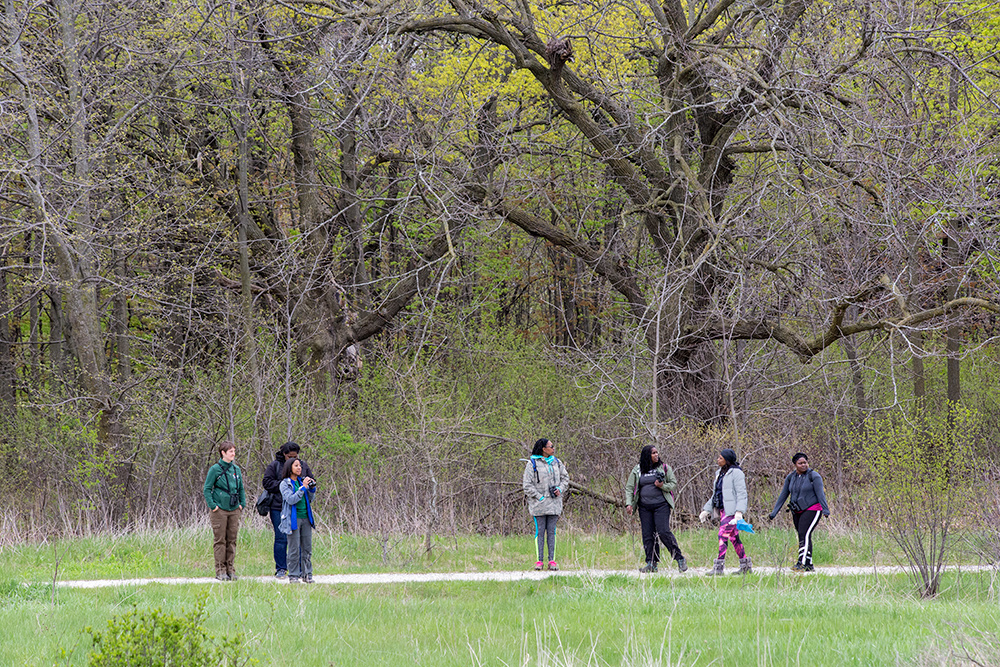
[290, 497]
[272, 478]
[221, 478]
[538, 477]
[734, 493]
[803, 491]
[632, 487]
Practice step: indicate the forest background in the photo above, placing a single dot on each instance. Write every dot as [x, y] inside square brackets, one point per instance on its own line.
[416, 236]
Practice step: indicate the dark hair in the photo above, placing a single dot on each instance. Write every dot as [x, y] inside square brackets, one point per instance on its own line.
[539, 444]
[730, 457]
[799, 455]
[225, 446]
[289, 447]
[286, 470]
[646, 459]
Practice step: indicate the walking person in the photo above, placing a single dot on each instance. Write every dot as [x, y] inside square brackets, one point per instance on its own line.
[544, 481]
[297, 519]
[225, 496]
[728, 503]
[650, 489]
[806, 501]
[272, 483]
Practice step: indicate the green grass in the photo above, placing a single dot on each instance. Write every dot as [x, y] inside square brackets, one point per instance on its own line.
[759, 620]
[188, 553]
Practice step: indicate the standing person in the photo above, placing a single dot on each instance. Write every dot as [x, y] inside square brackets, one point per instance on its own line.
[225, 496]
[806, 501]
[297, 519]
[650, 488]
[544, 481]
[272, 483]
[728, 503]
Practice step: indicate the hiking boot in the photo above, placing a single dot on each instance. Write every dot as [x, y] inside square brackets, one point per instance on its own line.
[553, 565]
[281, 574]
[682, 565]
[718, 568]
[746, 567]
[308, 579]
[293, 580]
[808, 568]
[650, 567]
[232, 576]
[222, 576]
[538, 565]
[798, 567]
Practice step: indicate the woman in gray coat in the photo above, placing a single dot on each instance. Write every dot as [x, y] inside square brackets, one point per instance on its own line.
[544, 481]
[728, 503]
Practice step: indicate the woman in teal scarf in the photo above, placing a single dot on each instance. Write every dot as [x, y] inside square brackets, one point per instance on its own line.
[545, 480]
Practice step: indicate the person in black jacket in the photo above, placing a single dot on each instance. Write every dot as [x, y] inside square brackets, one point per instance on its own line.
[272, 483]
[806, 501]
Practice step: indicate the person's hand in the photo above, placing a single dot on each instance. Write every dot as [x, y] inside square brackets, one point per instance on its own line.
[738, 516]
[770, 517]
[658, 484]
[826, 515]
[557, 492]
[241, 506]
[628, 510]
[306, 481]
[703, 517]
[215, 509]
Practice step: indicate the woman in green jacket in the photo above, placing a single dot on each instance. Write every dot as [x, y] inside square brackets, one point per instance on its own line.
[650, 488]
[225, 496]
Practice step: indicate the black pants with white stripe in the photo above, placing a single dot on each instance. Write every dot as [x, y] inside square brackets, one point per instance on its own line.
[805, 525]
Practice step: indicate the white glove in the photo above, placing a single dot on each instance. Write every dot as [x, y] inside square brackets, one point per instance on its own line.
[703, 517]
[738, 516]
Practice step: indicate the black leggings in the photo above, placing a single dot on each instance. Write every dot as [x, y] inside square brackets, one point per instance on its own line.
[655, 523]
[805, 525]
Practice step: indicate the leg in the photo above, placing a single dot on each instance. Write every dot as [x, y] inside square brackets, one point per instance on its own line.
[280, 544]
[540, 536]
[649, 543]
[232, 531]
[306, 549]
[218, 521]
[550, 530]
[662, 517]
[806, 525]
[294, 548]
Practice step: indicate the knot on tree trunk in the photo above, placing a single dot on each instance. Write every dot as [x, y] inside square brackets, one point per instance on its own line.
[558, 52]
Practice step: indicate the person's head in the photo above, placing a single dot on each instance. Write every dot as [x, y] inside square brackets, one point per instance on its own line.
[227, 450]
[727, 457]
[649, 458]
[543, 447]
[801, 462]
[292, 468]
[290, 450]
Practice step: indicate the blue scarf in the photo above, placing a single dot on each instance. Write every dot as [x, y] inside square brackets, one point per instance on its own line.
[545, 459]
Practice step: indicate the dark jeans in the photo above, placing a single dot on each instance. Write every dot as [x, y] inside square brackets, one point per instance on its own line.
[655, 522]
[280, 543]
[805, 524]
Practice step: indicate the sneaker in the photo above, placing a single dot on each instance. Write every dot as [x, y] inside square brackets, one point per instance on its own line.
[232, 576]
[682, 564]
[281, 574]
[798, 567]
[308, 579]
[649, 567]
[552, 565]
[808, 568]
[293, 580]
[222, 576]
[538, 565]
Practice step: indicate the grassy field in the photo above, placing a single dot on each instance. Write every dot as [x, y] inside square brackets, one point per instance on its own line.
[693, 620]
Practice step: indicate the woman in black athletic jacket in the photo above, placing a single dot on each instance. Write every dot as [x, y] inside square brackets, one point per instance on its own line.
[804, 490]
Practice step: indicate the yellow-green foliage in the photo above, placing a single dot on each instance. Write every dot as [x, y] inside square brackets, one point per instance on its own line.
[919, 464]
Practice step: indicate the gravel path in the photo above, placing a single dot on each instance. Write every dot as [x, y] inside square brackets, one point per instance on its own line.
[402, 578]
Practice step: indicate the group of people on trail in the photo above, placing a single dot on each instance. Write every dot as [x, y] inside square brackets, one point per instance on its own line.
[649, 492]
[290, 487]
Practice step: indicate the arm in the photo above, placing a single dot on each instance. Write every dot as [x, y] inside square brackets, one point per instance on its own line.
[243, 489]
[740, 481]
[818, 489]
[781, 498]
[528, 483]
[670, 483]
[630, 488]
[288, 495]
[271, 481]
[213, 474]
[563, 478]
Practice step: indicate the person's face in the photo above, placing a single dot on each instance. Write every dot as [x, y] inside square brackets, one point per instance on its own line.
[802, 465]
[229, 455]
[655, 455]
[297, 468]
[292, 455]
[549, 449]
[721, 461]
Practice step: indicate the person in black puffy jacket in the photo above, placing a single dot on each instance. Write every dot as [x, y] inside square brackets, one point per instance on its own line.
[806, 501]
[272, 483]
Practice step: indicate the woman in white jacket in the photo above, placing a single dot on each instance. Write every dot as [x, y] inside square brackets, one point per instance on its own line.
[544, 481]
[728, 503]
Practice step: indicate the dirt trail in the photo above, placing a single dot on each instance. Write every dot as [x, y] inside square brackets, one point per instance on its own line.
[403, 578]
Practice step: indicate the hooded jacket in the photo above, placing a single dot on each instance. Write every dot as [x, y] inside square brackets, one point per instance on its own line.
[272, 478]
[734, 492]
[539, 475]
[291, 494]
[221, 479]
